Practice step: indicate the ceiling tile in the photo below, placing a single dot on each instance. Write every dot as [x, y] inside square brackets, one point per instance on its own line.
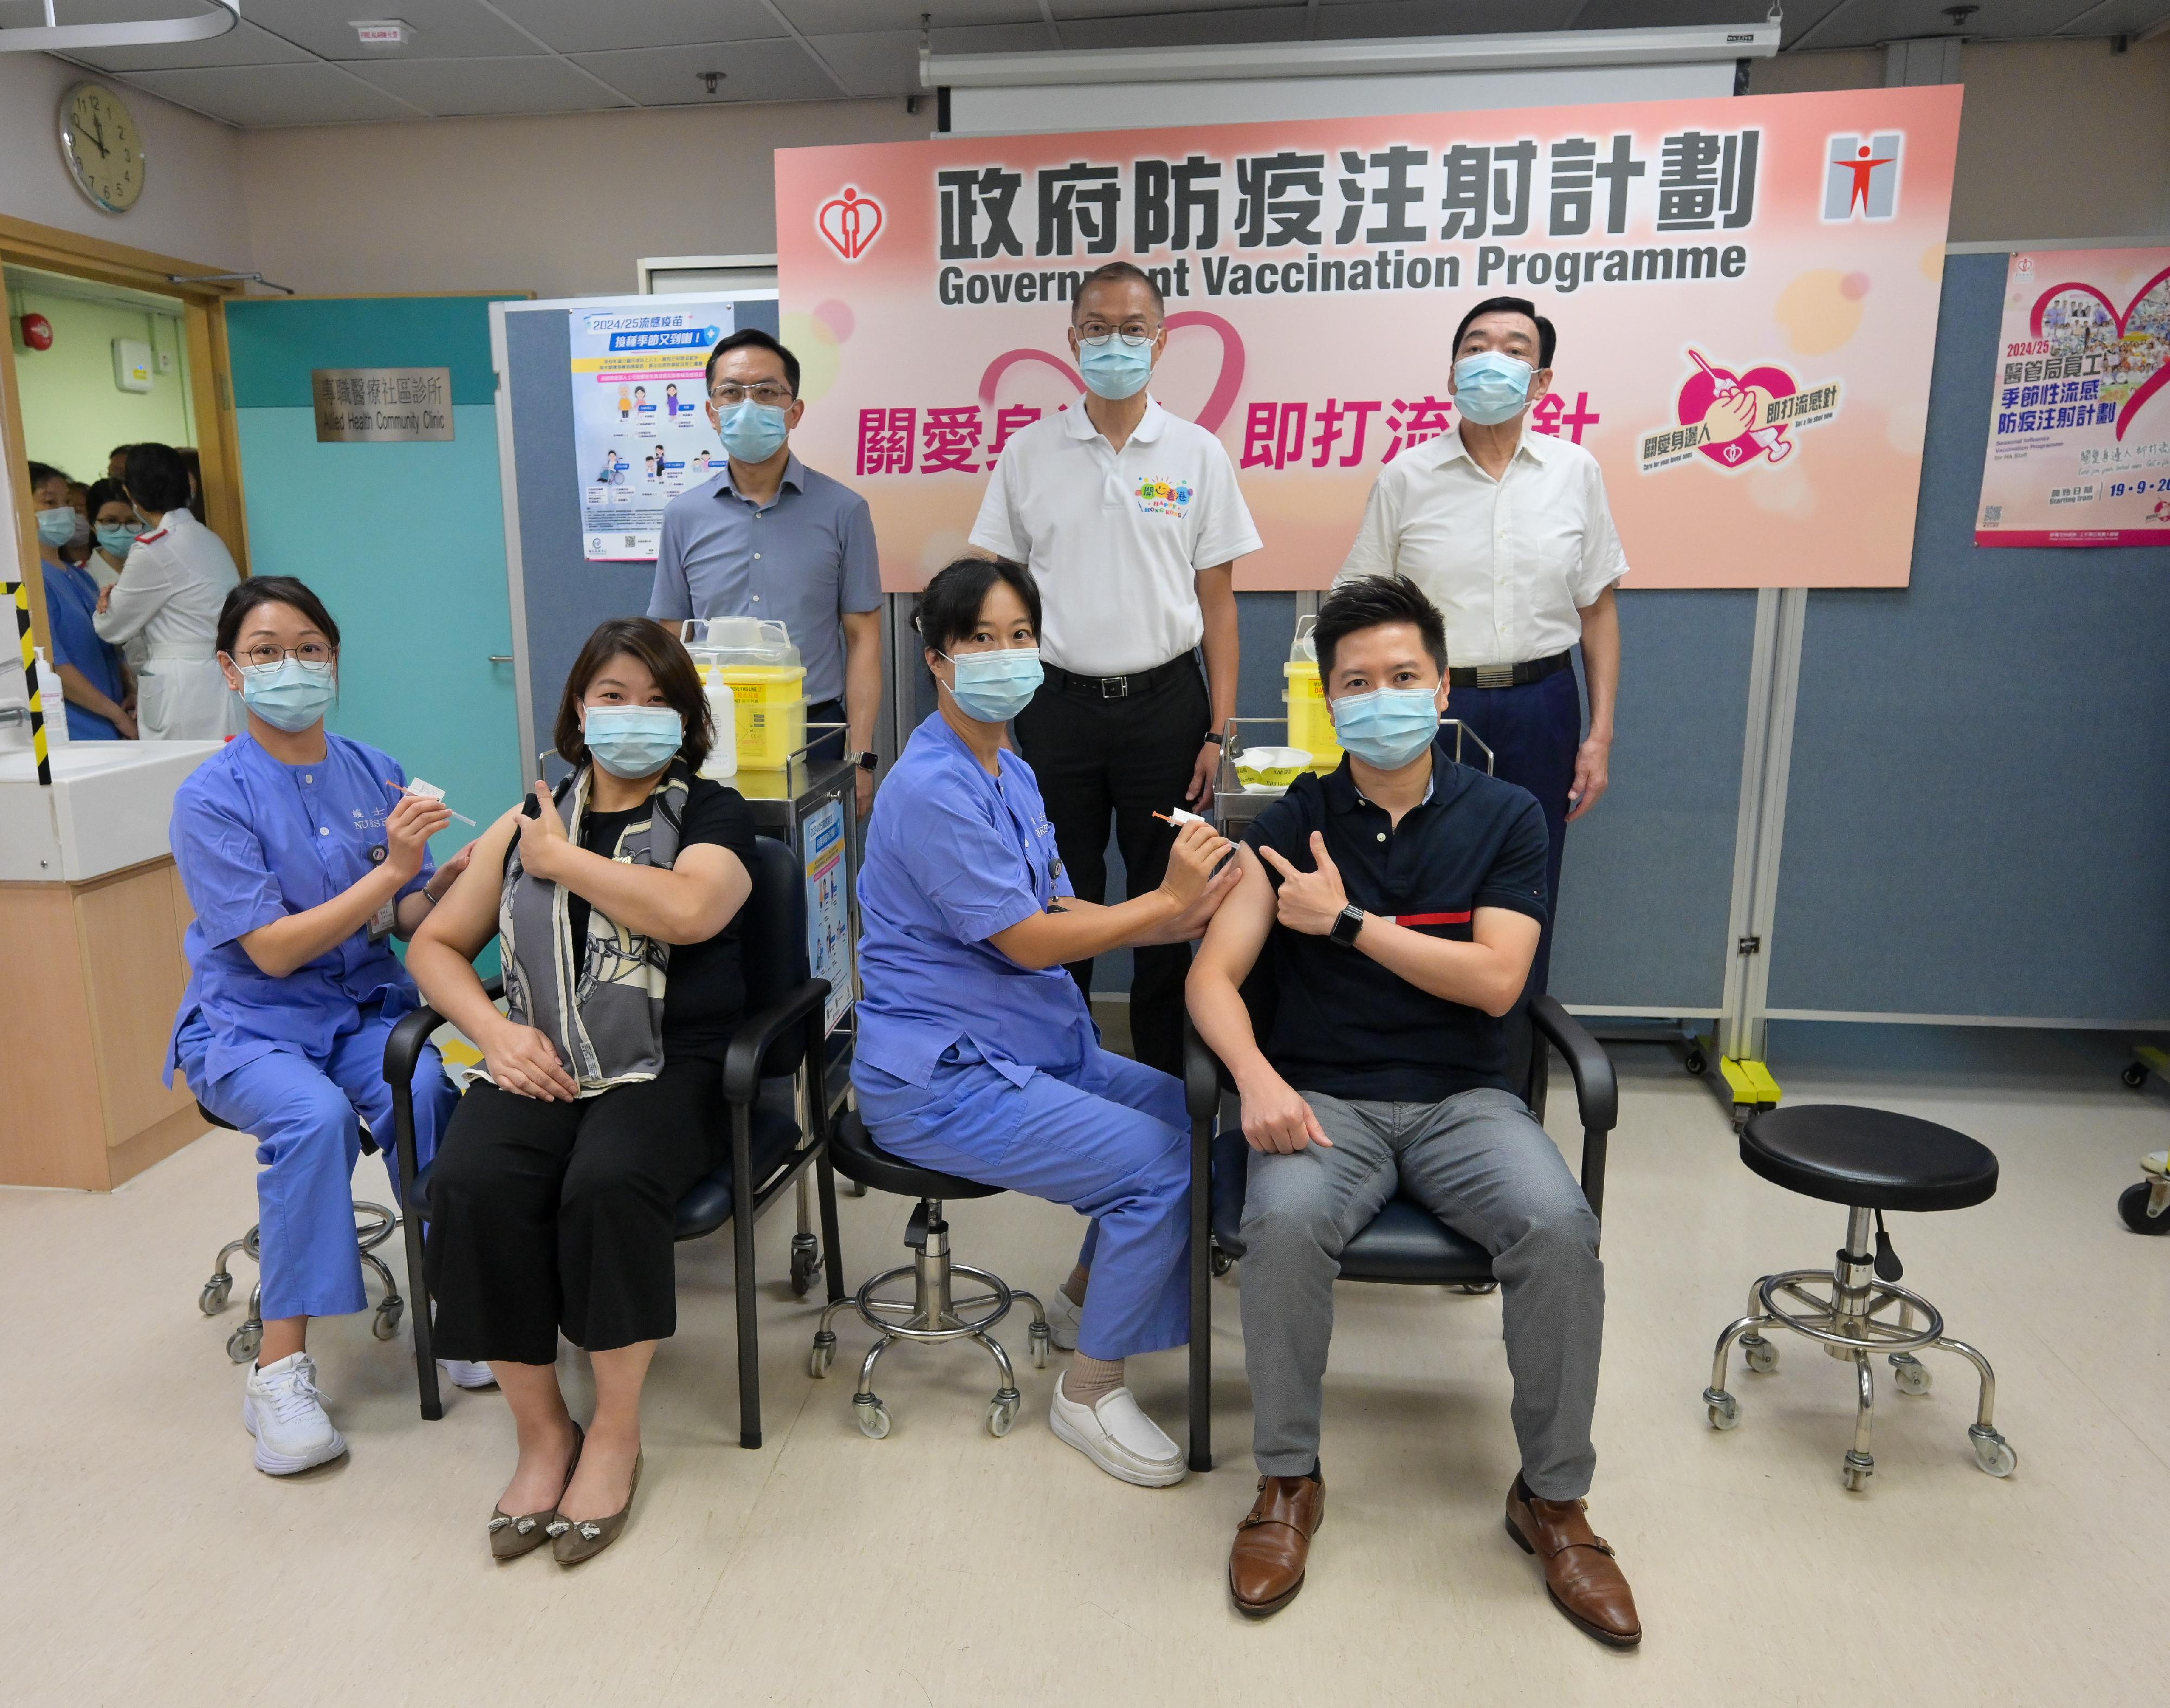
[885, 64]
[583, 26]
[1066, 10]
[461, 88]
[255, 96]
[1867, 23]
[1802, 16]
[242, 45]
[1186, 28]
[443, 29]
[1391, 18]
[994, 38]
[864, 17]
[2120, 18]
[1664, 14]
[753, 71]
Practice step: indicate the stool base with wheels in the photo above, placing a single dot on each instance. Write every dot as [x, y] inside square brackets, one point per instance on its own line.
[374, 1224]
[934, 1312]
[1856, 1310]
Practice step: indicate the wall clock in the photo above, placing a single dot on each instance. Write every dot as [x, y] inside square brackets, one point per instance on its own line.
[102, 147]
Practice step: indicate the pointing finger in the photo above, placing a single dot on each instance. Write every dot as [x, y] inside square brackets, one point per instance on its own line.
[1273, 857]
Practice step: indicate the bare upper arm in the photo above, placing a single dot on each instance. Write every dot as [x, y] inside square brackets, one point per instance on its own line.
[724, 884]
[465, 919]
[1238, 929]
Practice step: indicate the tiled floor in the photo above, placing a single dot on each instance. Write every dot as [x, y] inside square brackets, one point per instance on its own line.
[143, 1561]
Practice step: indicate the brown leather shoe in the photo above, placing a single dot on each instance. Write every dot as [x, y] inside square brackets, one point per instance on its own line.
[1265, 1567]
[1581, 1574]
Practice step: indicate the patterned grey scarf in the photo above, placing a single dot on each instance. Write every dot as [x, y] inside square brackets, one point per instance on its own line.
[606, 1020]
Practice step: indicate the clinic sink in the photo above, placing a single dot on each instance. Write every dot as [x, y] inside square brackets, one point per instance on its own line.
[108, 807]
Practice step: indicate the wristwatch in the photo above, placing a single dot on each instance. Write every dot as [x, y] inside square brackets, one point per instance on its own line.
[1346, 925]
[1217, 739]
[865, 762]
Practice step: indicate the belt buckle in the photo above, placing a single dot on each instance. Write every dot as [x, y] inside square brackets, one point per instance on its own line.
[1495, 676]
[1114, 688]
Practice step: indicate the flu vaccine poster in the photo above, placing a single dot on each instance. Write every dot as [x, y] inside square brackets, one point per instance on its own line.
[640, 433]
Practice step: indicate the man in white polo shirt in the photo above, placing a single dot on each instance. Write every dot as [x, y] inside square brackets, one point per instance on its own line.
[1130, 520]
[1509, 534]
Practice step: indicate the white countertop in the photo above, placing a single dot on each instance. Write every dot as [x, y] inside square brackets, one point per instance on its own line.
[107, 808]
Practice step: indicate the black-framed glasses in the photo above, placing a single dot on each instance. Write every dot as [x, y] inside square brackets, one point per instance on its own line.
[731, 396]
[265, 654]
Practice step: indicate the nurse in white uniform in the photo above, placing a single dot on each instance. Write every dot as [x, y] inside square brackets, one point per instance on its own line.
[178, 576]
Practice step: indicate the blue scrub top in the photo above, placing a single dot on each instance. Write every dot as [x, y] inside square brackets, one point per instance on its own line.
[256, 840]
[952, 856]
[71, 601]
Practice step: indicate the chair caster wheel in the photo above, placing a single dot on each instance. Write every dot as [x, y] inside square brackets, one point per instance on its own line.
[1993, 1453]
[242, 1345]
[1724, 1410]
[1221, 1262]
[386, 1323]
[805, 1263]
[1761, 1357]
[1038, 1336]
[2134, 1076]
[823, 1355]
[1476, 1289]
[1910, 1372]
[873, 1416]
[1696, 1064]
[1001, 1416]
[2132, 1207]
[215, 1292]
[1857, 1471]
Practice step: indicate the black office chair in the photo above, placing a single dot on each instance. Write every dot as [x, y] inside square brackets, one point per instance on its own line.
[1404, 1244]
[779, 1045]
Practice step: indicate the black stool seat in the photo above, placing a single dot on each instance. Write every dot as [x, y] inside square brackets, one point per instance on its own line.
[1869, 1157]
[853, 1153]
[211, 1118]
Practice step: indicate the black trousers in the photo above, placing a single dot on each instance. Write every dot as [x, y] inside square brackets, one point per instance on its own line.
[1129, 758]
[559, 1216]
[830, 747]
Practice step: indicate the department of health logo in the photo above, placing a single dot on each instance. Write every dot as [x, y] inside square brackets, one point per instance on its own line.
[851, 223]
[1861, 176]
[1158, 497]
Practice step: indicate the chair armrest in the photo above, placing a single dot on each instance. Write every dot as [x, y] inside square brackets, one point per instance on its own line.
[1596, 1090]
[403, 1050]
[1201, 1075]
[759, 1032]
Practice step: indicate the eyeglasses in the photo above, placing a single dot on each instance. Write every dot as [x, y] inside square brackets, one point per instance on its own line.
[1095, 334]
[731, 396]
[309, 652]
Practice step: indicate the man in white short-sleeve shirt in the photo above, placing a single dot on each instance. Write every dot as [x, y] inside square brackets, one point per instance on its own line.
[1130, 520]
[1509, 532]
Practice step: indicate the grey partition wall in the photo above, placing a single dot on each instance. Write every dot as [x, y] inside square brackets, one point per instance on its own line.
[558, 595]
[1978, 818]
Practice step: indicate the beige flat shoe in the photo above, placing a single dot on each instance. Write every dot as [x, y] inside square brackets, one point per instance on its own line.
[576, 1540]
[510, 1537]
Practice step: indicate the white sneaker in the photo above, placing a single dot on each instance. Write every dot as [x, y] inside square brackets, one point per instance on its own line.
[1119, 1438]
[281, 1408]
[462, 1374]
[1062, 1319]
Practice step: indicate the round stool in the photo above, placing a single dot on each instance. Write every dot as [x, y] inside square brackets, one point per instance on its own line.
[1871, 1160]
[932, 1313]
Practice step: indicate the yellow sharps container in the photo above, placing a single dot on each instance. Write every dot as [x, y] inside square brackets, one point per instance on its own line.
[757, 662]
[1310, 723]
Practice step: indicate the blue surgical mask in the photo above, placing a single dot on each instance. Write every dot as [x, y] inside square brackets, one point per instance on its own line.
[116, 540]
[753, 432]
[57, 527]
[1490, 387]
[289, 695]
[994, 687]
[1114, 370]
[632, 741]
[1388, 727]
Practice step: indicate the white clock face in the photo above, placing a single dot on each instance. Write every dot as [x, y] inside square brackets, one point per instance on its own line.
[102, 147]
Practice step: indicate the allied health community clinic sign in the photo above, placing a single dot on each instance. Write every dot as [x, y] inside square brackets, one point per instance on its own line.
[1745, 291]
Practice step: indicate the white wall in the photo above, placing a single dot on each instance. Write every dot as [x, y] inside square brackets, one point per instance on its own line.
[191, 207]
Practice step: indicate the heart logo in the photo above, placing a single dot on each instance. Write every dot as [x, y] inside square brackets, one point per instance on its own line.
[851, 223]
[1218, 402]
[1703, 389]
[2132, 370]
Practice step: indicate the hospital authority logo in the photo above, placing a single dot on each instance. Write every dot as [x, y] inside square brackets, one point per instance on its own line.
[1157, 497]
[1861, 176]
[851, 223]
[1737, 420]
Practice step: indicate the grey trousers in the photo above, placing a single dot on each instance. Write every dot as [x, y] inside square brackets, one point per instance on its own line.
[1480, 1162]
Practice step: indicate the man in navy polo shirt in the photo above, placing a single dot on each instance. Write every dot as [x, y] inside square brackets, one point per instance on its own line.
[1398, 903]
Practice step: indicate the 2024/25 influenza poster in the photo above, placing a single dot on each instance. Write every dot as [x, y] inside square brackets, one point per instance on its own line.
[639, 432]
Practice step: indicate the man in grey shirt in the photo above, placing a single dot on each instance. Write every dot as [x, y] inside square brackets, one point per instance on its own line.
[770, 538]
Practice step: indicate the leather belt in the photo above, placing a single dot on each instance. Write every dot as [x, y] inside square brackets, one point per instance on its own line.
[1521, 675]
[1117, 687]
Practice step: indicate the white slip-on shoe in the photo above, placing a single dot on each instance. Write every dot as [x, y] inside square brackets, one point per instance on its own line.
[1116, 1435]
[282, 1408]
[462, 1374]
[1062, 1319]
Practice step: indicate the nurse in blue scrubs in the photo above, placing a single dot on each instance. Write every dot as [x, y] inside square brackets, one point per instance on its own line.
[977, 1055]
[302, 857]
[93, 681]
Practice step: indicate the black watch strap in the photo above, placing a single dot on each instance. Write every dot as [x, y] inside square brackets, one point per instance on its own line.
[1346, 925]
[1217, 739]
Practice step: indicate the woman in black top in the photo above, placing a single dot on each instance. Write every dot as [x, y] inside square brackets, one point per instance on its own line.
[557, 1182]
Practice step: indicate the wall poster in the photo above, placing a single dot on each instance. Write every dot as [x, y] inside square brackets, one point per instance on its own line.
[640, 434]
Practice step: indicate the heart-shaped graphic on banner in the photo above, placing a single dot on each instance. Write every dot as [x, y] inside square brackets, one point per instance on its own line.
[851, 223]
[2144, 388]
[1701, 390]
[1218, 402]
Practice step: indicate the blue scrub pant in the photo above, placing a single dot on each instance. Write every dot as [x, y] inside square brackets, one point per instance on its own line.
[305, 1117]
[1533, 731]
[1108, 1138]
